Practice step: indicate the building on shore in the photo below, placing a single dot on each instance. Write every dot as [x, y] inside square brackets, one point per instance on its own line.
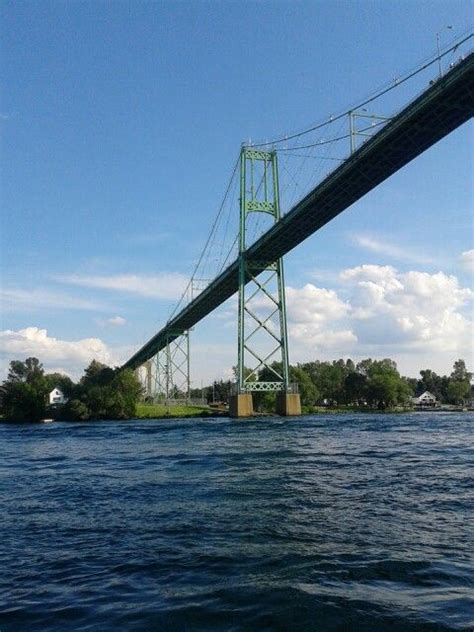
[425, 400]
[56, 397]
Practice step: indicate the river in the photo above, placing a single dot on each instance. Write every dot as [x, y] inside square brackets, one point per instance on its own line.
[338, 522]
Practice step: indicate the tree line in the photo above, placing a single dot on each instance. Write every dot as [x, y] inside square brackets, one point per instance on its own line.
[368, 383]
[106, 393]
[101, 393]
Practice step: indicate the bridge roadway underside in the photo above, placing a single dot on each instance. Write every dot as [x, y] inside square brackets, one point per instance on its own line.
[443, 107]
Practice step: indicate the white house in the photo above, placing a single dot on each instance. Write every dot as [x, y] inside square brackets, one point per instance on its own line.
[56, 397]
[425, 399]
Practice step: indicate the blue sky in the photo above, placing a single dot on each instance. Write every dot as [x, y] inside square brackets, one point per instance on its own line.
[120, 126]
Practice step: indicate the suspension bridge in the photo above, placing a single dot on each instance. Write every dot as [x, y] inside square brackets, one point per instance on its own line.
[256, 273]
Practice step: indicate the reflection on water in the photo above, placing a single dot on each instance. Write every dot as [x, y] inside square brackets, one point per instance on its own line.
[320, 523]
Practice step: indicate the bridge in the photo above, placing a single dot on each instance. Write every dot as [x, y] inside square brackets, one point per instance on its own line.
[444, 106]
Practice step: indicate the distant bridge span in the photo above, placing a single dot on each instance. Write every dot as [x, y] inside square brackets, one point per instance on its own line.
[439, 110]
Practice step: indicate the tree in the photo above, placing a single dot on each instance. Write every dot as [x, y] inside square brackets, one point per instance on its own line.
[355, 386]
[103, 393]
[17, 372]
[23, 402]
[460, 373]
[328, 378]
[382, 390]
[97, 374]
[309, 394]
[219, 391]
[385, 386]
[107, 393]
[75, 410]
[458, 390]
[128, 389]
[413, 384]
[459, 385]
[28, 371]
[23, 393]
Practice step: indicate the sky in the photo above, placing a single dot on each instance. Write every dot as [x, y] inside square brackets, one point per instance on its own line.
[121, 123]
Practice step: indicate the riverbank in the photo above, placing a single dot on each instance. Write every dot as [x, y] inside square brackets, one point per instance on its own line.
[161, 411]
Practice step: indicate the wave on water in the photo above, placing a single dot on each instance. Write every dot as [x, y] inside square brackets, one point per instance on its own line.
[333, 523]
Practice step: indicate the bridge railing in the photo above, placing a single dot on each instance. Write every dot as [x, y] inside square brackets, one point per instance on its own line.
[258, 387]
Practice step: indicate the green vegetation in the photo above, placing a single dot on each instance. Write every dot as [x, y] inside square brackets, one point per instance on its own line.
[368, 385]
[157, 411]
[102, 393]
[106, 393]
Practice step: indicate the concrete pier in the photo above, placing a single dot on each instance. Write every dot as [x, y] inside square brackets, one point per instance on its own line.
[288, 404]
[241, 405]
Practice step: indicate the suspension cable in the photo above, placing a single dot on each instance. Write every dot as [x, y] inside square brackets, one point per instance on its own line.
[208, 240]
[381, 92]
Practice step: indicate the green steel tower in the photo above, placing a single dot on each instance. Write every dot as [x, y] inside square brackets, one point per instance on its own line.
[262, 330]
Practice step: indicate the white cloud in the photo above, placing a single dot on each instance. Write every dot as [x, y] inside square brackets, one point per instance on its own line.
[71, 355]
[467, 260]
[317, 320]
[388, 249]
[315, 304]
[161, 286]
[382, 312]
[413, 310]
[16, 300]
[116, 320]
[314, 338]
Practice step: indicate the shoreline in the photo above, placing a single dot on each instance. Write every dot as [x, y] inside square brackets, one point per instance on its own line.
[223, 414]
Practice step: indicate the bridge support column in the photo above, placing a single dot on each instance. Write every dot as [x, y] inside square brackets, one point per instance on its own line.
[262, 341]
[241, 405]
[172, 370]
[288, 404]
[144, 376]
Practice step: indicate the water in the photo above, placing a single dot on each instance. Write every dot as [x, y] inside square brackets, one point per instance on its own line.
[321, 523]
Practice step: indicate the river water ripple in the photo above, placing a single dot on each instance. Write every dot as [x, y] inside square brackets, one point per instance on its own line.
[344, 522]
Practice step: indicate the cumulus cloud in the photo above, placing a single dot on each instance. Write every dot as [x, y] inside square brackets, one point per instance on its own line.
[380, 311]
[385, 247]
[412, 309]
[467, 260]
[71, 355]
[161, 286]
[311, 302]
[313, 315]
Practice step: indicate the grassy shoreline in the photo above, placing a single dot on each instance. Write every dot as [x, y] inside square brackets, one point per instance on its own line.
[161, 411]
[158, 411]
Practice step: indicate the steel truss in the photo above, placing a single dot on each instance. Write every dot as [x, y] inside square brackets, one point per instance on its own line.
[261, 340]
[171, 369]
[367, 130]
[166, 377]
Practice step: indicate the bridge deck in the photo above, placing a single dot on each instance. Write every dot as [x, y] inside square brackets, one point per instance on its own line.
[443, 107]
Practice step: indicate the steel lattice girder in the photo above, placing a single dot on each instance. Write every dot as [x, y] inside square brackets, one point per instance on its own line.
[265, 198]
[443, 107]
[172, 367]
